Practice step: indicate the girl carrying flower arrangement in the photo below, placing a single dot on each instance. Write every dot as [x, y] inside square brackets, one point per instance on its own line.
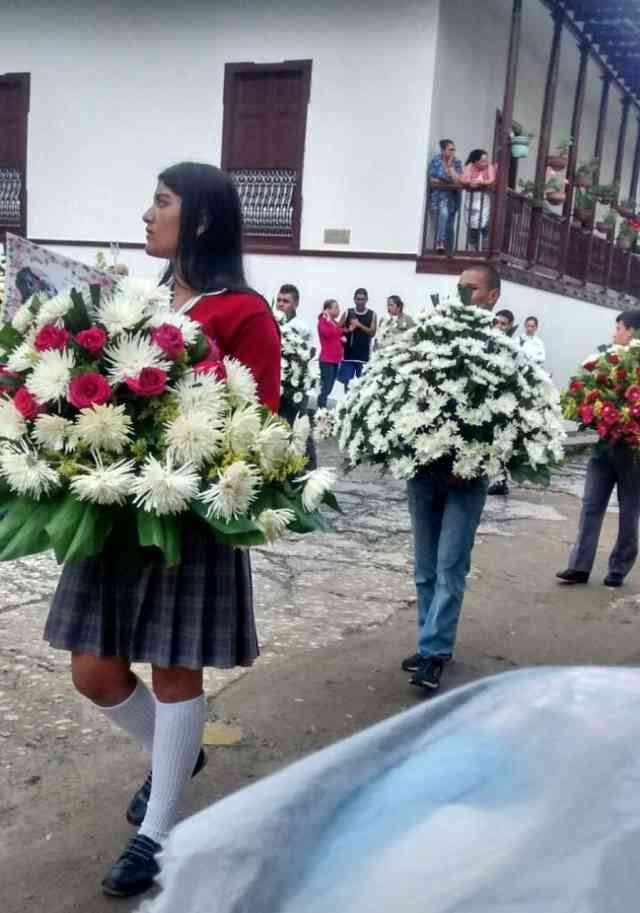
[139, 441]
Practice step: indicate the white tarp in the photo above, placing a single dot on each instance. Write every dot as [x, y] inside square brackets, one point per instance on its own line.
[516, 794]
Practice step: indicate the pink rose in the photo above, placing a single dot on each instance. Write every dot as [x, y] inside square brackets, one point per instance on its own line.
[586, 414]
[210, 365]
[89, 389]
[149, 382]
[609, 414]
[26, 404]
[93, 340]
[633, 393]
[169, 339]
[51, 337]
[602, 429]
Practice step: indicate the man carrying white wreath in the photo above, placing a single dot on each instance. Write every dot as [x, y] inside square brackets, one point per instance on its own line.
[445, 513]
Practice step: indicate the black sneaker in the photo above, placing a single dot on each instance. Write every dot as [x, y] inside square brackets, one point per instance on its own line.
[411, 663]
[571, 576]
[134, 871]
[498, 488]
[613, 580]
[138, 806]
[428, 673]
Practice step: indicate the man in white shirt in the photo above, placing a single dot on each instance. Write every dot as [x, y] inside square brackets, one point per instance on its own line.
[532, 345]
[287, 301]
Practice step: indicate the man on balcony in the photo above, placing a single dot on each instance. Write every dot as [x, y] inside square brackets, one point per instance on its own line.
[444, 174]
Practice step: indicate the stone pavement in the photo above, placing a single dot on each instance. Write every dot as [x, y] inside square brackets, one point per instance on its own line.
[336, 613]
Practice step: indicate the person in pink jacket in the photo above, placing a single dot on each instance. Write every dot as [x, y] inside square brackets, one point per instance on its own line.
[331, 348]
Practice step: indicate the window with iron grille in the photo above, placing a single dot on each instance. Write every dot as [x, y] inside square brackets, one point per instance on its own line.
[265, 118]
[14, 110]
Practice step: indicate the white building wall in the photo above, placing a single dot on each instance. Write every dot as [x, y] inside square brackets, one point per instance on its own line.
[119, 90]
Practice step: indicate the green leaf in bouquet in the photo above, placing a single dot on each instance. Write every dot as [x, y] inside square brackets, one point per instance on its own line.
[22, 529]
[163, 532]
[78, 529]
[200, 349]
[77, 317]
[241, 531]
[541, 475]
[96, 293]
[9, 338]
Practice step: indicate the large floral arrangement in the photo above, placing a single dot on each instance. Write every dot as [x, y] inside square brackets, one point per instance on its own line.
[604, 395]
[299, 373]
[457, 396]
[118, 411]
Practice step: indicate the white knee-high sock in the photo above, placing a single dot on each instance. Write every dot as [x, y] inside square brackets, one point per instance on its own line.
[136, 715]
[176, 743]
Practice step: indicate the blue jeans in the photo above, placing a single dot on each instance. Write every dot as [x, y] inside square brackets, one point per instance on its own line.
[328, 374]
[444, 212]
[444, 519]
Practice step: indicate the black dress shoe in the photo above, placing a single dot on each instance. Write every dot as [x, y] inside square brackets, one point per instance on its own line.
[613, 580]
[134, 871]
[138, 806]
[571, 576]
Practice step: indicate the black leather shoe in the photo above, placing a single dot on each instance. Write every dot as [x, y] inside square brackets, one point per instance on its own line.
[134, 871]
[138, 806]
[613, 580]
[571, 576]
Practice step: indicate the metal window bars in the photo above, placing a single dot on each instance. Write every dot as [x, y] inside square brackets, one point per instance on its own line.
[10, 197]
[458, 220]
[267, 197]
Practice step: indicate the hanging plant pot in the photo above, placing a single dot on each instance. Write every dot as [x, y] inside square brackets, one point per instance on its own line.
[584, 216]
[520, 146]
[557, 162]
[556, 197]
[583, 182]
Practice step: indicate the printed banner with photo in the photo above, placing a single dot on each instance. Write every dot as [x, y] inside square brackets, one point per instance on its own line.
[32, 269]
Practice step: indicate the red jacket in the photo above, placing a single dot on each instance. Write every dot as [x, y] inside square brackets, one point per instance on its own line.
[243, 327]
[331, 347]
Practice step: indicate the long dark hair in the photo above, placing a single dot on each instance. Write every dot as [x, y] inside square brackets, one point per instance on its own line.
[209, 254]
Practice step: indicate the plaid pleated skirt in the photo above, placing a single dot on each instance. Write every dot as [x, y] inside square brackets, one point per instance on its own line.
[127, 603]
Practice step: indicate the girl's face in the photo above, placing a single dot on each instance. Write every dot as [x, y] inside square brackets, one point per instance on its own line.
[334, 311]
[392, 308]
[162, 221]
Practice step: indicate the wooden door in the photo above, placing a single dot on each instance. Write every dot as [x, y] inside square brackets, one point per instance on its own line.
[14, 112]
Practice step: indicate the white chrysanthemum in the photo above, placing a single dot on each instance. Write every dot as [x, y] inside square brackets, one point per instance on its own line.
[403, 468]
[23, 318]
[163, 488]
[300, 432]
[243, 428]
[189, 328]
[132, 301]
[52, 431]
[272, 443]
[233, 493]
[54, 309]
[12, 423]
[23, 357]
[102, 484]
[274, 523]
[317, 483]
[103, 427]
[50, 378]
[201, 393]
[240, 382]
[193, 437]
[26, 473]
[130, 354]
[324, 424]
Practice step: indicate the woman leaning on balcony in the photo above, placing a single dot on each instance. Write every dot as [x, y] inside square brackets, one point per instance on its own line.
[444, 174]
[479, 175]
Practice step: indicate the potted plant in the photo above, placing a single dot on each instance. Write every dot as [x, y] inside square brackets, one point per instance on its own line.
[627, 235]
[560, 158]
[607, 225]
[554, 192]
[520, 141]
[606, 193]
[584, 207]
[534, 190]
[585, 173]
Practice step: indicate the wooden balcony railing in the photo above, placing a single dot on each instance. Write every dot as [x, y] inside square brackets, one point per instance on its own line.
[458, 225]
